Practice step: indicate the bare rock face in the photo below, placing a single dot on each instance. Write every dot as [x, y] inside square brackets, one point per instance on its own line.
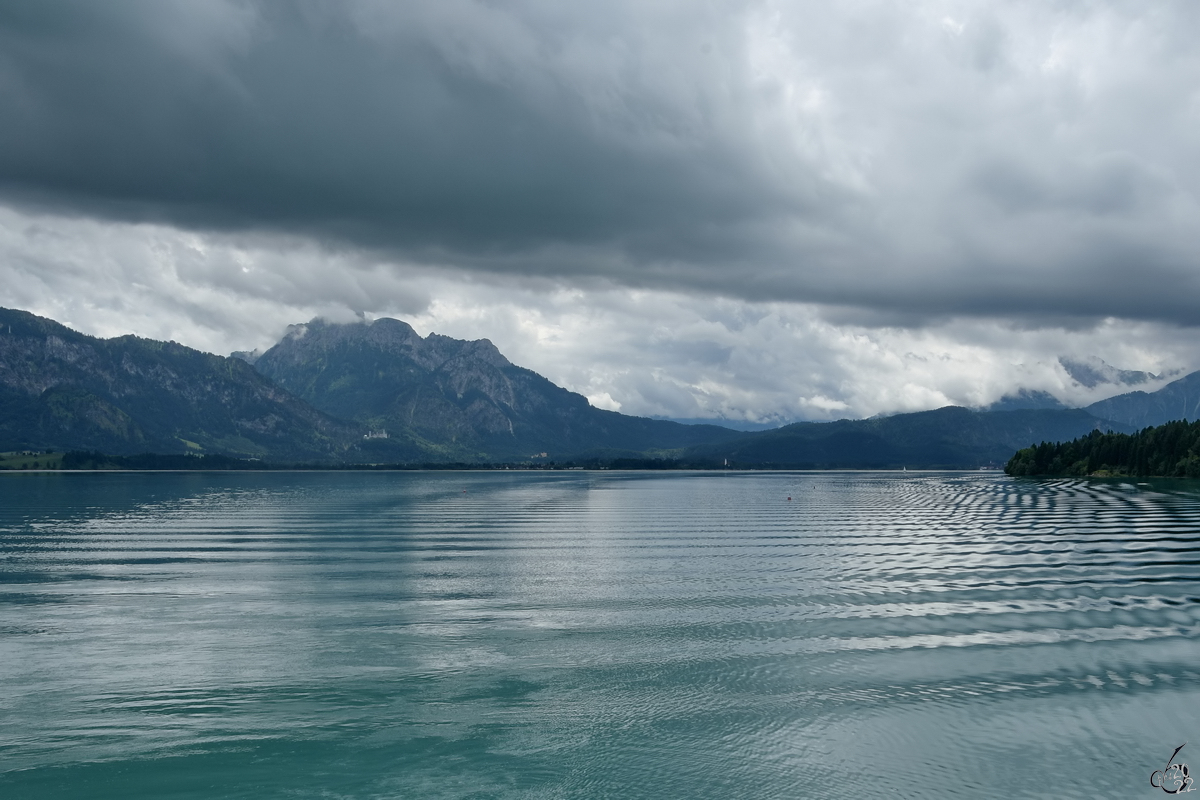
[461, 395]
[62, 390]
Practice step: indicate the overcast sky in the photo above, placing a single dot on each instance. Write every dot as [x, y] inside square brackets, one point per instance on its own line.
[752, 209]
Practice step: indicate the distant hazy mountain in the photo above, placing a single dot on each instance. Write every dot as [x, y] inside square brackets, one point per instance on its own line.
[949, 438]
[458, 399]
[1093, 371]
[1026, 399]
[1177, 400]
[60, 389]
[732, 424]
[1089, 372]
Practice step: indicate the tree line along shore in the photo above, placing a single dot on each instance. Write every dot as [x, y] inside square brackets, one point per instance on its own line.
[1171, 450]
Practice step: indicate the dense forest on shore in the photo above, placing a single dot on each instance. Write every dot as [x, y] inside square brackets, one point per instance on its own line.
[1171, 450]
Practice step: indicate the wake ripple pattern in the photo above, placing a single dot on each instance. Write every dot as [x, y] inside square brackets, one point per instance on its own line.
[595, 634]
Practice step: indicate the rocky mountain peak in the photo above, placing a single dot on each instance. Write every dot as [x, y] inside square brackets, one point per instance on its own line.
[386, 336]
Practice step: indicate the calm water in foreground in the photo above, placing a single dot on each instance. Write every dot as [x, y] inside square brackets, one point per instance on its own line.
[595, 635]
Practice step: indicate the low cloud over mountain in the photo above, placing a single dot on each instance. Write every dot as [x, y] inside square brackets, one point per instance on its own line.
[1092, 372]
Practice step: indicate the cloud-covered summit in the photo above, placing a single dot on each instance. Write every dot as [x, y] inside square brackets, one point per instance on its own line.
[914, 159]
[1092, 372]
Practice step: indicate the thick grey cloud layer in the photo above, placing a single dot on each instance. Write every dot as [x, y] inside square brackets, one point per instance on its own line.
[906, 161]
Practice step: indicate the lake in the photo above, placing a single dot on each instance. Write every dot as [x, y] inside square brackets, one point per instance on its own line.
[595, 635]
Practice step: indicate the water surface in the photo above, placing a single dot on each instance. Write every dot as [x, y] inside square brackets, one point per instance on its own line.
[592, 635]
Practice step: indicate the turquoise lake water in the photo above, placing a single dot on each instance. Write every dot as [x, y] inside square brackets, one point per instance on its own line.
[595, 635]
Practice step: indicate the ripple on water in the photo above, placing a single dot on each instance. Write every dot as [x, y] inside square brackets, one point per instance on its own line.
[595, 634]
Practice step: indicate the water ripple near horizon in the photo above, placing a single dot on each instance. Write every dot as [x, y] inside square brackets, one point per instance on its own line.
[594, 635]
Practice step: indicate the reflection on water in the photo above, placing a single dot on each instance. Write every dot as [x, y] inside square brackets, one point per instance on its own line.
[594, 635]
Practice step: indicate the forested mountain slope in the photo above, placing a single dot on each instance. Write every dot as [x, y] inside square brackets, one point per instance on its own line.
[60, 389]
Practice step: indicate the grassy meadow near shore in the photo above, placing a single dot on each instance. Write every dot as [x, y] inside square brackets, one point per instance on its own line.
[26, 459]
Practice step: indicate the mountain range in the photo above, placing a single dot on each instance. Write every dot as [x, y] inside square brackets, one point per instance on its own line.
[377, 392]
[443, 398]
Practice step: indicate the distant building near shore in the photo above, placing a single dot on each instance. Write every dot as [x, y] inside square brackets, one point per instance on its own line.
[375, 435]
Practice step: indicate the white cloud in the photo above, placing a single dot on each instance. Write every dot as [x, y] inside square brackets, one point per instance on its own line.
[640, 351]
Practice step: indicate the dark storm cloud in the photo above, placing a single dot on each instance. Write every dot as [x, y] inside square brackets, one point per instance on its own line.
[388, 130]
[915, 159]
